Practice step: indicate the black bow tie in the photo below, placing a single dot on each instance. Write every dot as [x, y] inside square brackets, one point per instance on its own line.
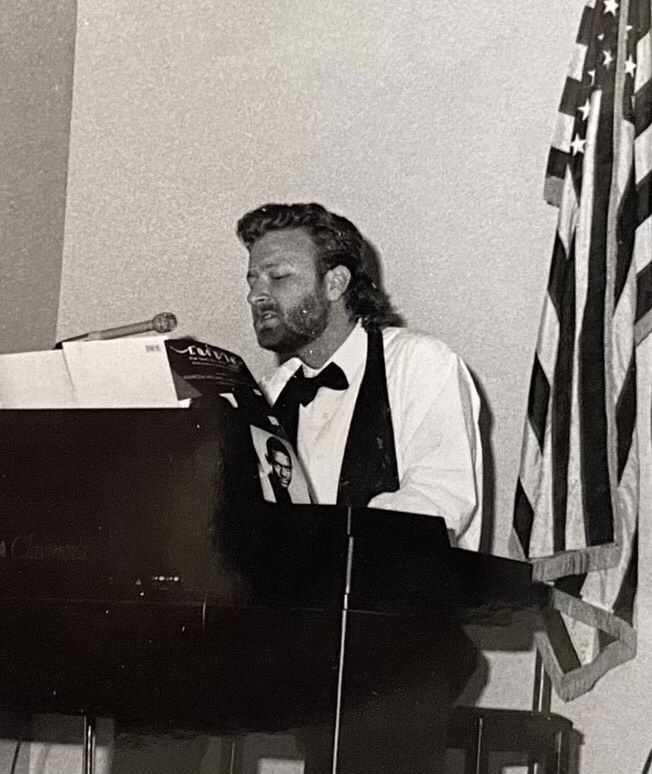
[301, 390]
[306, 387]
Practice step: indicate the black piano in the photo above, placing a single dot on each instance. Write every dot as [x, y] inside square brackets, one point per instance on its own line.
[143, 577]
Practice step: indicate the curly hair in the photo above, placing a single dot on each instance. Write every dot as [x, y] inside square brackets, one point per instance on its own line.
[275, 444]
[338, 243]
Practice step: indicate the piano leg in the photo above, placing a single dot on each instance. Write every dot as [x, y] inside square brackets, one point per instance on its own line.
[404, 732]
[315, 744]
[401, 675]
[395, 734]
[88, 756]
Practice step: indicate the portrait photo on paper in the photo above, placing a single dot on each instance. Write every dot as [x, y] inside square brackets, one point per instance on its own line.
[281, 476]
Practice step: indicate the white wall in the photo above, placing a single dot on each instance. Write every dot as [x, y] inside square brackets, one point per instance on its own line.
[427, 123]
[36, 73]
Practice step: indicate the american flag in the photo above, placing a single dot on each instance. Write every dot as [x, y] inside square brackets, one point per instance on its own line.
[576, 505]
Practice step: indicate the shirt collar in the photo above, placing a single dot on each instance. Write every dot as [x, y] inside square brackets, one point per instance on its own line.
[350, 356]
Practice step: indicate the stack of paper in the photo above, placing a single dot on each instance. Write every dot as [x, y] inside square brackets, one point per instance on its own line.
[118, 373]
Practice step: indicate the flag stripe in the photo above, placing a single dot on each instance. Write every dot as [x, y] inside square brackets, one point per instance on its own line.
[643, 253]
[624, 604]
[644, 292]
[643, 194]
[643, 114]
[569, 99]
[627, 223]
[644, 17]
[563, 296]
[596, 487]
[523, 517]
[538, 401]
[577, 62]
[557, 163]
[626, 417]
[548, 335]
[561, 277]
[571, 584]
[585, 30]
[563, 132]
[643, 244]
[643, 154]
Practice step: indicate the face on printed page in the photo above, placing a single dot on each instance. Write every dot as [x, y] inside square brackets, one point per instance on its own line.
[281, 468]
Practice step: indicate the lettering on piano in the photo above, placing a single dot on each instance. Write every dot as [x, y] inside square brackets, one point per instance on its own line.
[23, 547]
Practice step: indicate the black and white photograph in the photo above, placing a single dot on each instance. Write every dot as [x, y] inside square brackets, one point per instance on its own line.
[325, 387]
[281, 476]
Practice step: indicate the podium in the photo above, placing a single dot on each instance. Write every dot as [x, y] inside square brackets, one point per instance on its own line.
[144, 577]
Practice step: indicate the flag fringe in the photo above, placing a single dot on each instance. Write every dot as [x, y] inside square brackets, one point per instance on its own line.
[578, 561]
[572, 684]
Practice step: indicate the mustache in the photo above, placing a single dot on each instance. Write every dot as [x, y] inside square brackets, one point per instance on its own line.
[261, 309]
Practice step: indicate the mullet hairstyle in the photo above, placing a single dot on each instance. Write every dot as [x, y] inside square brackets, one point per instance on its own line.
[338, 243]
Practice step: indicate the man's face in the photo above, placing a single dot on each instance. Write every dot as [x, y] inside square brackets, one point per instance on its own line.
[288, 301]
[281, 467]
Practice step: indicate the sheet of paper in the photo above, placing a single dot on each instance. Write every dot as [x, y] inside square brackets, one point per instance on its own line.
[30, 380]
[121, 373]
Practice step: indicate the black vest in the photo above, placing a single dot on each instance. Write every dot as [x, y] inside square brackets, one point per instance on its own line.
[369, 464]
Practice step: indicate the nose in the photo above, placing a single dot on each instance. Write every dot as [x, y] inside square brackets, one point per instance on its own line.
[258, 291]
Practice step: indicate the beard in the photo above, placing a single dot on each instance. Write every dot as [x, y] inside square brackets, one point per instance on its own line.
[293, 328]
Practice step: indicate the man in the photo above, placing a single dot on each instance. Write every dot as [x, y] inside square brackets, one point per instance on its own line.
[313, 303]
[280, 475]
[380, 416]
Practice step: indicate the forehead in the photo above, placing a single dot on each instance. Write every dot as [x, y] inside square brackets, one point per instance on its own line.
[288, 245]
[280, 457]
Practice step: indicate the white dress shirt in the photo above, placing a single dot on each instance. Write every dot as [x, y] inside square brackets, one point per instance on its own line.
[435, 409]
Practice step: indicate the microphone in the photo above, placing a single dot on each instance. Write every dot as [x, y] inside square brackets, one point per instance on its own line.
[161, 323]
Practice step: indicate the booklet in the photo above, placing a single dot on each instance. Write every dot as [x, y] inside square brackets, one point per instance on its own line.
[218, 374]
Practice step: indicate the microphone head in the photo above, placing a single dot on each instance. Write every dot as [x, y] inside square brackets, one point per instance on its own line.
[164, 322]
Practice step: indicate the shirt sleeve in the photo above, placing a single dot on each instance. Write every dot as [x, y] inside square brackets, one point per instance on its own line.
[435, 411]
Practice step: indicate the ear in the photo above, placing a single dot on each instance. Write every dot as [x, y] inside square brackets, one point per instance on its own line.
[336, 281]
